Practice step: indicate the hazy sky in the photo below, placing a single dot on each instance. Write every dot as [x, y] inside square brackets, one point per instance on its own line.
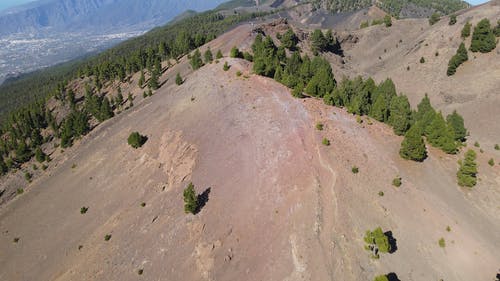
[9, 3]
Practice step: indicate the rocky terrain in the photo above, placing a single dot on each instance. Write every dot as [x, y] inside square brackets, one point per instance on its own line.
[279, 205]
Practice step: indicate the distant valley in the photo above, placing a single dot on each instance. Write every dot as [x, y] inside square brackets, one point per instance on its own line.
[49, 32]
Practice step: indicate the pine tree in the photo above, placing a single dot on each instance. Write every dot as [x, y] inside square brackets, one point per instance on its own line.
[467, 172]
[141, 80]
[425, 114]
[196, 61]
[289, 40]
[388, 21]
[106, 111]
[441, 135]
[40, 156]
[208, 56]
[218, 55]
[153, 81]
[483, 39]
[413, 145]
[456, 122]
[466, 30]
[460, 57]
[190, 199]
[400, 118]
[235, 53]
[178, 79]
[434, 18]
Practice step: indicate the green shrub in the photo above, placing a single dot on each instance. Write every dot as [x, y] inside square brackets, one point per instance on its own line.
[178, 79]
[476, 144]
[467, 172]
[497, 147]
[235, 53]
[28, 176]
[377, 242]
[143, 204]
[20, 191]
[16, 240]
[387, 21]
[381, 193]
[226, 66]
[140, 271]
[190, 199]
[441, 242]
[483, 39]
[319, 126]
[434, 18]
[422, 60]
[453, 20]
[136, 140]
[491, 162]
[466, 30]
[107, 237]
[448, 228]
[397, 181]
[238, 73]
[326, 141]
[364, 24]
[381, 278]
[218, 55]
[460, 57]
[355, 170]
[83, 210]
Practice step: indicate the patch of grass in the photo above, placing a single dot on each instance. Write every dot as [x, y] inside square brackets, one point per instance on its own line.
[238, 73]
[491, 162]
[143, 204]
[355, 170]
[326, 141]
[441, 242]
[319, 126]
[397, 181]
[20, 191]
[107, 237]
[83, 210]
[381, 193]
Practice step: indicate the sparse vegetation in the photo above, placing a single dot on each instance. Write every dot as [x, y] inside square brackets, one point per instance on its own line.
[19, 191]
[83, 210]
[441, 242]
[381, 193]
[209, 58]
[377, 242]
[235, 53]
[226, 66]
[238, 73]
[491, 162]
[448, 228]
[136, 140]
[190, 199]
[434, 18]
[422, 60]
[397, 181]
[453, 20]
[143, 204]
[476, 144]
[467, 172]
[355, 170]
[326, 142]
[218, 55]
[497, 147]
[388, 21]
[178, 79]
[28, 176]
[16, 240]
[381, 278]
[107, 237]
[140, 271]
[319, 126]
[364, 24]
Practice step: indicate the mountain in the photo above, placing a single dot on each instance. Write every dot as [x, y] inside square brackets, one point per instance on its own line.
[400, 8]
[95, 16]
[48, 32]
[288, 184]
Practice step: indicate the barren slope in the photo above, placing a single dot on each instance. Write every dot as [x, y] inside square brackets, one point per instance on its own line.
[473, 91]
[281, 206]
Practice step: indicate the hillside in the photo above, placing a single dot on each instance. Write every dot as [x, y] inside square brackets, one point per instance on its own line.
[287, 184]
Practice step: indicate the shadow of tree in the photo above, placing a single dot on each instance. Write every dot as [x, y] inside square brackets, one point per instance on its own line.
[392, 277]
[392, 242]
[202, 199]
[498, 277]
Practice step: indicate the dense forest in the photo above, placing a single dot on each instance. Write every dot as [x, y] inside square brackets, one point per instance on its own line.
[393, 7]
[314, 77]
